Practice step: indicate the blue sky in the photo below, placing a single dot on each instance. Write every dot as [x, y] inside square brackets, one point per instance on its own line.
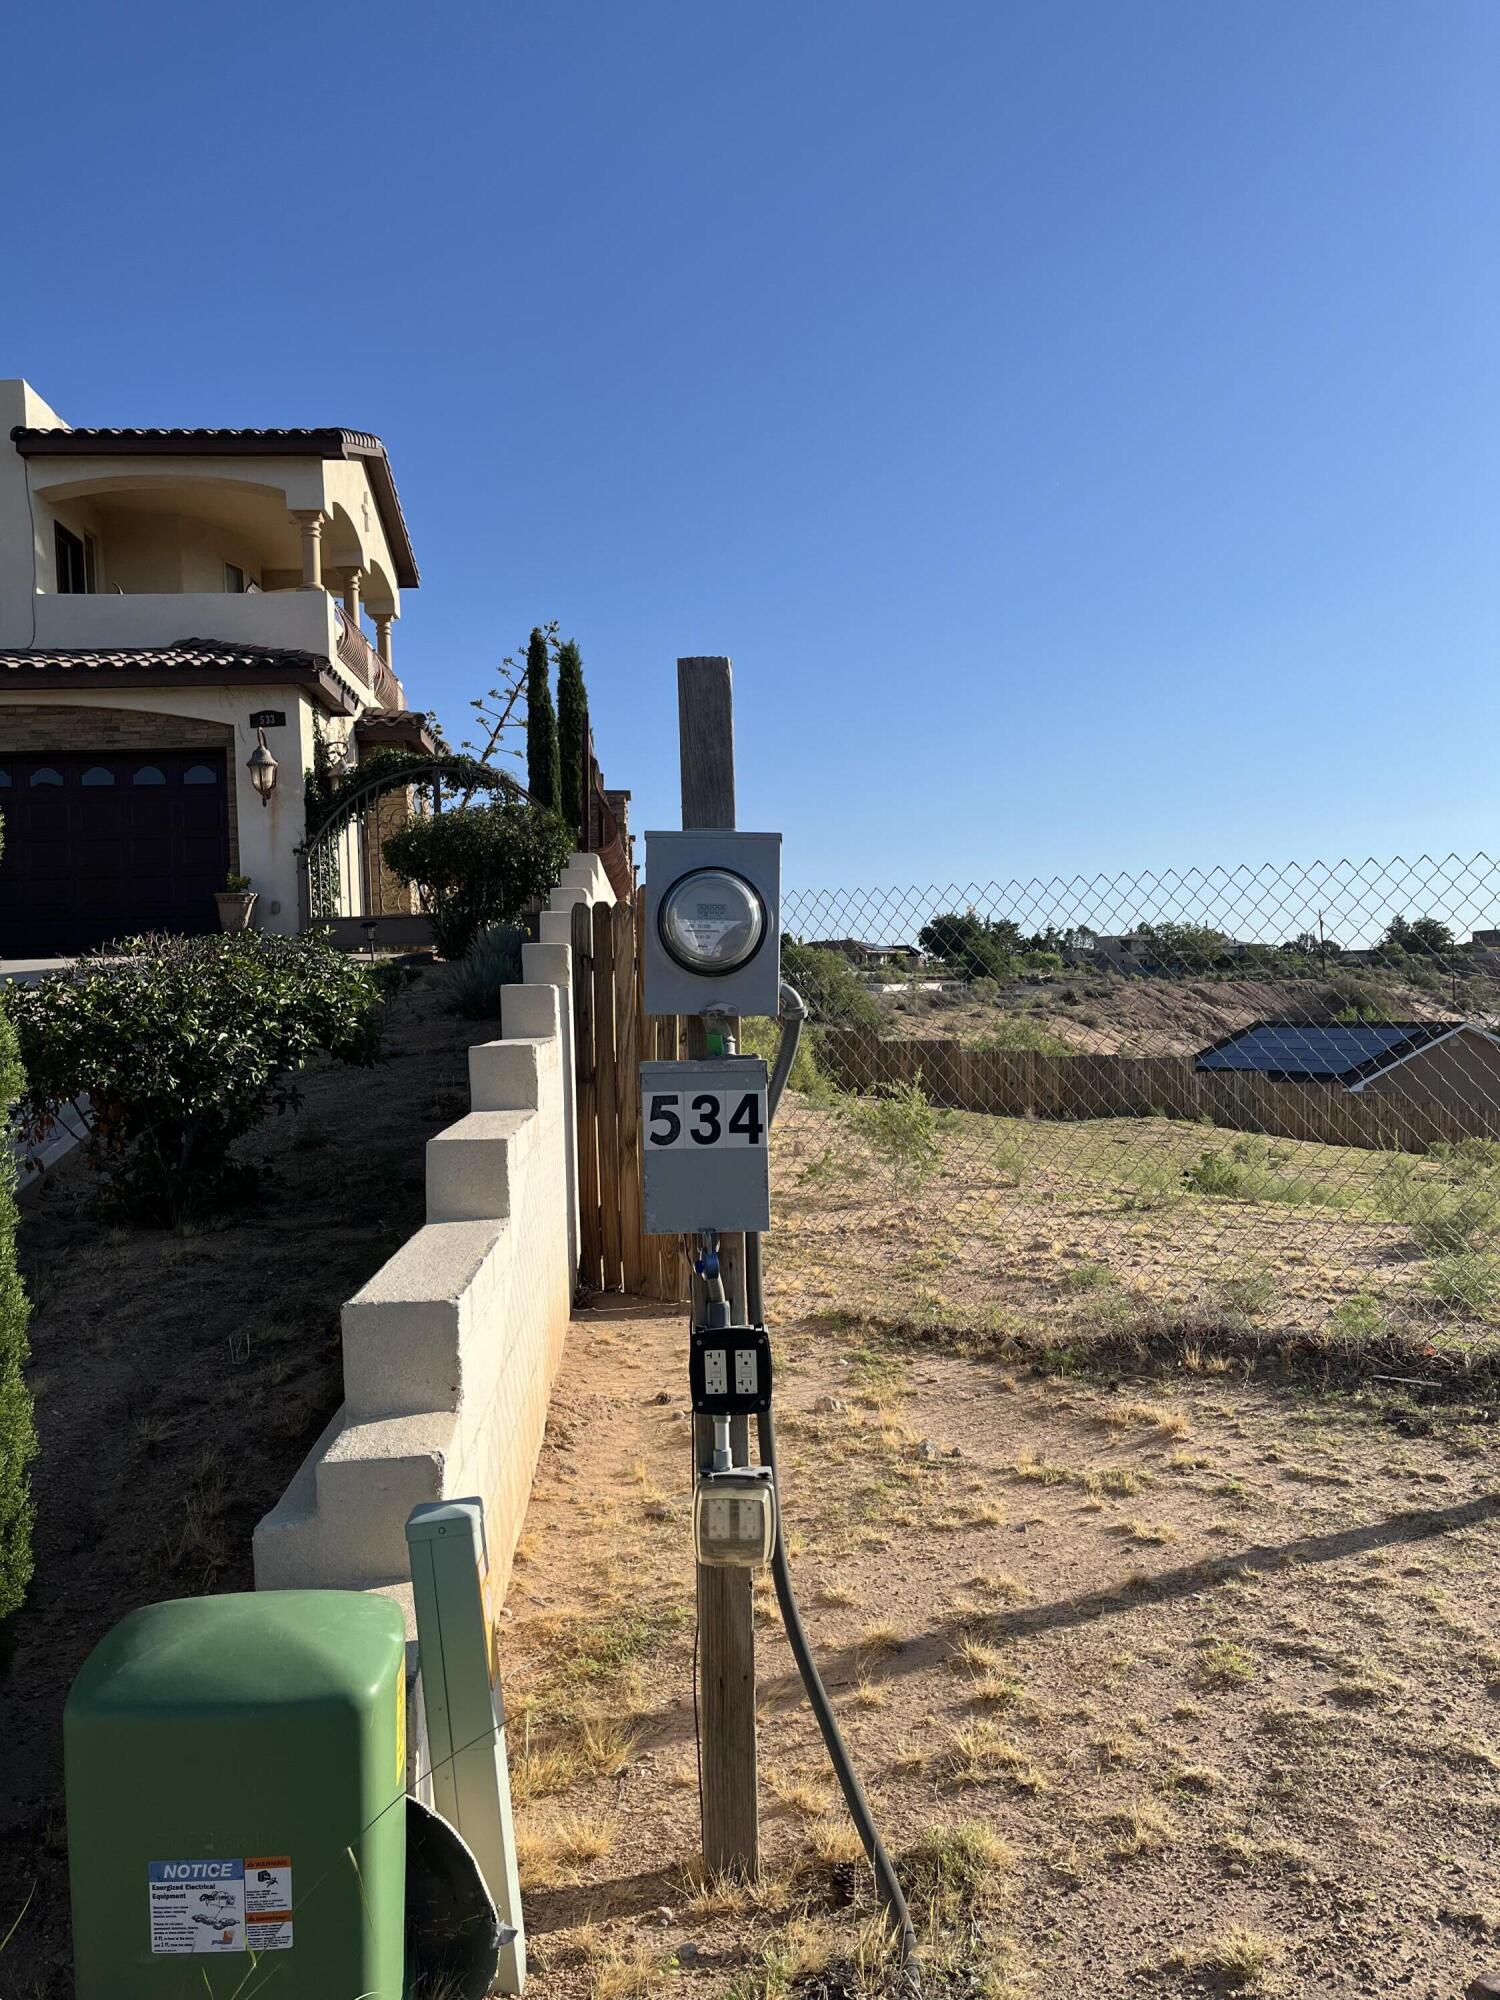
[1079, 420]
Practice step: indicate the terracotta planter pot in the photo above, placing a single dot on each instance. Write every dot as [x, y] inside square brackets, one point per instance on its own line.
[235, 908]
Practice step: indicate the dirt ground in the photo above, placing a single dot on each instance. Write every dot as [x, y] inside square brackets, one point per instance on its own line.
[1109, 1013]
[1184, 1686]
[1048, 1225]
[179, 1381]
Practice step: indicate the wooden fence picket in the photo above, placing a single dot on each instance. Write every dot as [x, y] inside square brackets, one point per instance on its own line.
[612, 1034]
[605, 1044]
[590, 1242]
[1028, 1085]
[628, 1096]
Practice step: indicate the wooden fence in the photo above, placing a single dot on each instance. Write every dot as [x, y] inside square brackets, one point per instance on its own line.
[1102, 1086]
[612, 1036]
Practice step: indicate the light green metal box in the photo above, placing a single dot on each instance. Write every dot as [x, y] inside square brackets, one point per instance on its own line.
[236, 1784]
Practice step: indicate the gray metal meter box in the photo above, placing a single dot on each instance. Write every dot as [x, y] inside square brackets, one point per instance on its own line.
[703, 1144]
[713, 922]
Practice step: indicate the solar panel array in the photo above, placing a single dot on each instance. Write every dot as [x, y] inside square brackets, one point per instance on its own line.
[1340, 1049]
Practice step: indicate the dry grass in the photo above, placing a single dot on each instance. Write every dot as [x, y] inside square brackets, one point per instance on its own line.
[978, 1752]
[1134, 1416]
[800, 1796]
[569, 1842]
[836, 1597]
[1135, 1830]
[1148, 1534]
[1223, 1664]
[878, 1642]
[634, 1972]
[1240, 1960]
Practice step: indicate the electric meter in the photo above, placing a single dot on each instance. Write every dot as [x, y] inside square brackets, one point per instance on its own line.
[713, 922]
[734, 1517]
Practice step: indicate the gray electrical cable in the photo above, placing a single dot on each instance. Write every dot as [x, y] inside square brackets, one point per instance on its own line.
[793, 1014]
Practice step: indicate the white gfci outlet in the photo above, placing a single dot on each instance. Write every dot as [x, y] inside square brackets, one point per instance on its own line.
[746, 1374]
[716, 1371]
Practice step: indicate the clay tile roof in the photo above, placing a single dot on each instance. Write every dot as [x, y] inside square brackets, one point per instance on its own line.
[404, 725]
[190, 660]
[54, 441]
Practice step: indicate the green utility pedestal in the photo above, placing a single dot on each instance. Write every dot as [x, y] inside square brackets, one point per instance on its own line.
[236, 1784]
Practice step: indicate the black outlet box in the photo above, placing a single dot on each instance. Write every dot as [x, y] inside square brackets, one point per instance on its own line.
[729, 1370]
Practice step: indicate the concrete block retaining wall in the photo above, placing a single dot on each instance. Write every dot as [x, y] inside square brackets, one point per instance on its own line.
[451, 1349]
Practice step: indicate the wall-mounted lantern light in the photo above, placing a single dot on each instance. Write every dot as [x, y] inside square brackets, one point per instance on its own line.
[262, 768]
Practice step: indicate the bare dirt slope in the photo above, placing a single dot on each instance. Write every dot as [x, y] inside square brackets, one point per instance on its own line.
[1188, 1687]
[1110, 1014]
[179, 1380]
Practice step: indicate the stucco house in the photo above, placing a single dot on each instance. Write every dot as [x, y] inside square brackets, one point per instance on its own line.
[165, 597]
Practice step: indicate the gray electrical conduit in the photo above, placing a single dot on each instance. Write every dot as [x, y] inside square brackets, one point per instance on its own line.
[793, 1014]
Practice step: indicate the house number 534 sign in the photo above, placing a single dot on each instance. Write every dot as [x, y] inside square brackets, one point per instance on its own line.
[699, 1120]
[706, 1158]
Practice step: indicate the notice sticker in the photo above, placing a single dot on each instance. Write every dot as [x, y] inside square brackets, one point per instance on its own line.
[268, 1902]
[196, 1906]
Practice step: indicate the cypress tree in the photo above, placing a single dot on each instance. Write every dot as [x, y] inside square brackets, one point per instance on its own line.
[572, 730]
[17, 1428]
[543, 765]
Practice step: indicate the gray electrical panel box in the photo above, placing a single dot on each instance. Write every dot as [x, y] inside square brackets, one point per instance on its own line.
[713, 922]
[703, 1145]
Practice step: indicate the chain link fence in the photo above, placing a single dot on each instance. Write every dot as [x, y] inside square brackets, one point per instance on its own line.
[1255, 1099]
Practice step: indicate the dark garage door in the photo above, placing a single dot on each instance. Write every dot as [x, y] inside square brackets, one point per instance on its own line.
[102, 847]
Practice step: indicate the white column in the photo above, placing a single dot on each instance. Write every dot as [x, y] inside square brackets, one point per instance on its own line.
[310, 521]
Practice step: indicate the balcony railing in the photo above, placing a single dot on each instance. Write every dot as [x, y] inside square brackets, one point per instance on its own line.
[362, 660]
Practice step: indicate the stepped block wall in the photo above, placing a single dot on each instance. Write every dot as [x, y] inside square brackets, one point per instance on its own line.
[452, 1348]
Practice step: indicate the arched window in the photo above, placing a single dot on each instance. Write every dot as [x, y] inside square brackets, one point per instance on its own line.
[148, 775]
[200, 774]
[97, 775]
[46, 776]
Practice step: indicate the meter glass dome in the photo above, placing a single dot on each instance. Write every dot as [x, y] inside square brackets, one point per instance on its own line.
[712, 921]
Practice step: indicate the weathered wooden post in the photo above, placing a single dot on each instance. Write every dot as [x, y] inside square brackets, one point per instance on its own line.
[726, 1619]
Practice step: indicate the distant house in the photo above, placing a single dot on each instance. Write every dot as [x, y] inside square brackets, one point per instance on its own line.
[874, 957]
[1139, 951]
[1444, 1062]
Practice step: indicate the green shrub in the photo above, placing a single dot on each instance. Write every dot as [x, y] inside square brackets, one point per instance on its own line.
[1359, 1317]
[902, 1128]
[1245, 1295]
[762, 1038]
[1451, 1208]
[478, 865]
[1351, 1000]
[1087, 1277]
[829, 985]
[1214, 1172]
[1465, 1282]
[1015, 1035]
[181, 1046]
[17, 1427]
[472, 987]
